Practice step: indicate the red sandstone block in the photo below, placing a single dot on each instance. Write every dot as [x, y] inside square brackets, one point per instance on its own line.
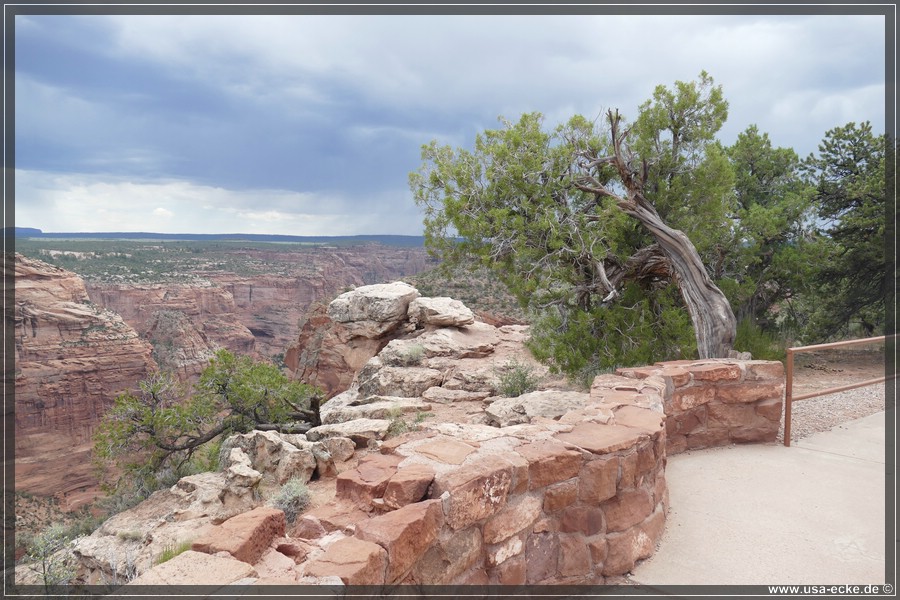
[757, 370]
[368, 480]
[770, 409]
[636, 372]
[355, 561]
[675, 444]
[623, 549]
[628, 471]
[476, 491]
[443, 562]
[549, 462]
[245, 536]
[582, 519]
[475, 577]
[510, 572]
[405, 534]
[687, 422]
[767, 433]
[518, 514]
[335, 516]
[643, 419]
[574, 555]
[689, 397]
[561, 495]
[749, 392]
[711, 438]
[598, 548]
[541, 551]
[597, 481]
[601, 439]
[626, 509]
[408, 485]
[730, 416]
[720, 372]
[679, 376]
[499, 553]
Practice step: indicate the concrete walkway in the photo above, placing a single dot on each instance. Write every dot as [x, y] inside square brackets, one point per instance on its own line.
[810, 514]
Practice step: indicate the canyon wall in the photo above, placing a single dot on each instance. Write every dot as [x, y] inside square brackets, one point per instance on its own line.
[255, 313]
[72, 359]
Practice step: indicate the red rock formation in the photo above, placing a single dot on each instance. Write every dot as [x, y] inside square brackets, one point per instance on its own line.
[72, 359]
[327, 354]
[185, 323]
[260, 312]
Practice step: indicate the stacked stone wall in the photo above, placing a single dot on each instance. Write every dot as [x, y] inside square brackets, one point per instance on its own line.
[718, 401]
[578, 498]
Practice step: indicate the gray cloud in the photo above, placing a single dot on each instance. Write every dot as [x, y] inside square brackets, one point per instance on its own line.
[315, 121]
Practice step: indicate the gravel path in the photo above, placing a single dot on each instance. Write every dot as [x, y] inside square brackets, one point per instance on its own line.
[822, 413]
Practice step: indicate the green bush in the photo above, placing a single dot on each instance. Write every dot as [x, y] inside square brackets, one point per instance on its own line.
[292, 498]
[761, 344]
[171, 551]
[516, 379]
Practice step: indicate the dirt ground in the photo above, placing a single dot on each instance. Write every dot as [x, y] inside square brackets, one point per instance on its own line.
[821, 369]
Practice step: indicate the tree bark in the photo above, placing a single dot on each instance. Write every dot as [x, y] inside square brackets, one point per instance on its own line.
[714, 324]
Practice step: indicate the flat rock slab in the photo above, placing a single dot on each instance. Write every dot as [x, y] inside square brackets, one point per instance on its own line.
[440, 311]
[245, 536]
[196, 568]
[355, 561]
[446, 450]
[601, 439]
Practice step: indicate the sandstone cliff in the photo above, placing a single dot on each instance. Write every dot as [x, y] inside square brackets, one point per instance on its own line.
[72, 359]
[255, 311]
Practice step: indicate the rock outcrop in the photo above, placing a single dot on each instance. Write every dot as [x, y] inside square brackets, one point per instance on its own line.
[185, 323]
[554, 486]
[72, 359]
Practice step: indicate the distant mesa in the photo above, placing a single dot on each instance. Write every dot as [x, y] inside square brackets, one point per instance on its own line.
[388, 240]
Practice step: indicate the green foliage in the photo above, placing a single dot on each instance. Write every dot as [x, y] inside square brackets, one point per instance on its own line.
[768, 256]
[646, 331]
[516, 378]
[292, 498]
[523, 204]
[761, 344]
[172, 550]
[48, 555]
[399, 425]
[159, 433]
[850, 189]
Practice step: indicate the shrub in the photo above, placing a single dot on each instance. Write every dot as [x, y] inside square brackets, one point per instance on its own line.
[516, 379]
[413, 355]
[292, 498]
[171, 551]
[761, 344]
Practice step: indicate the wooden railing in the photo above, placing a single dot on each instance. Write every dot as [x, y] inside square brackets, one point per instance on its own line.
[789, 398]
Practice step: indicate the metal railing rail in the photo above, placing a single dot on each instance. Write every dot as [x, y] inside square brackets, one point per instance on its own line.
[789, 398]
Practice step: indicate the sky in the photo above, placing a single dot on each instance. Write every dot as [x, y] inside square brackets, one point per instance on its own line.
[311, 124]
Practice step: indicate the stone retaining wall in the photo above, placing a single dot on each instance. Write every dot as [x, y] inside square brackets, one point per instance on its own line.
[550, 502]
[575, 498]
[718, 401]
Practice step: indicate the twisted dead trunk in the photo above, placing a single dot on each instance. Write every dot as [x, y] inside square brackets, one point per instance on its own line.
[714, 324]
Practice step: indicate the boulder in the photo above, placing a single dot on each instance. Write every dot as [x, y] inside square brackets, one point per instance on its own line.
[271, 454]
[361, 431]
[371, 311]
[440, 312]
